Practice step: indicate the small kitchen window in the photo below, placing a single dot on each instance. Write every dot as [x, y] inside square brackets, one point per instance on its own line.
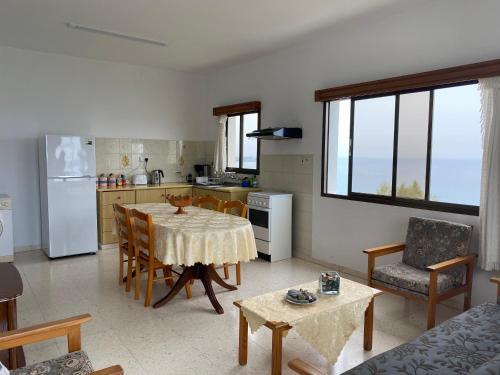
[242, 151]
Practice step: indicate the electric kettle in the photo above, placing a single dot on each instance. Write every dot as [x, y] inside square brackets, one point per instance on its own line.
[156, 176]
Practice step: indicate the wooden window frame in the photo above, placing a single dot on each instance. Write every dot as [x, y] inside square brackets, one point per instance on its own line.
[240, 169]
[425, 203]
[431, 78]
[241, 109]
[401, 84]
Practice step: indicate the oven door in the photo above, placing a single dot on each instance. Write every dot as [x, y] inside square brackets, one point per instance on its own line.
[261, 223]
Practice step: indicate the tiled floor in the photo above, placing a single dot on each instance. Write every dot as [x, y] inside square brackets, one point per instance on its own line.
[185, 336]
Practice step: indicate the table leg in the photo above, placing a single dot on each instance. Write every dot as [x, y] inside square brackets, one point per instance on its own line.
[207, 283]
[214, 276]
[186, 276]
[243, 344]
[277, 351]
[368, 329]
[205, 273]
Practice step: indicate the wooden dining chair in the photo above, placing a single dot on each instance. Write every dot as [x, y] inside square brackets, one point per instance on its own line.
[125, 245]
[237, 208]
[209, 202]
[143, 239]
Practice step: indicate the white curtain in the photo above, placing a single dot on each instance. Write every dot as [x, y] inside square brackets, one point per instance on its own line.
[489, 212]
[220, 146]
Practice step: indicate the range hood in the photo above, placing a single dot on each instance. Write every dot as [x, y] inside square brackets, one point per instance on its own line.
[276, 133]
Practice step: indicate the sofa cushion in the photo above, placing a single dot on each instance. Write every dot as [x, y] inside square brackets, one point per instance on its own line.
[431, 241]
[492, 367]
[406, 278]
[460, 346]
[76, 363]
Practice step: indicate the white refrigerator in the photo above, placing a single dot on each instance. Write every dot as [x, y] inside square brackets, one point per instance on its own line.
[68, 195]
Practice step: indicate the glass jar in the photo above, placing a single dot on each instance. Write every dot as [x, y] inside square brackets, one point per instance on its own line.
[329, 282]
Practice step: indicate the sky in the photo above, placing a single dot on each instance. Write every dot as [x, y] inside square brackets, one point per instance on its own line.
[456, 125]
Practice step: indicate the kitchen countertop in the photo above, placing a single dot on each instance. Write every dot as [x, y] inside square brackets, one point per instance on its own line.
[227, 189]
[174, 185]
[167, 185]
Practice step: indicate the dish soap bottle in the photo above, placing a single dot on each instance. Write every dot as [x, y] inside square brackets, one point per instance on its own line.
[254, 181]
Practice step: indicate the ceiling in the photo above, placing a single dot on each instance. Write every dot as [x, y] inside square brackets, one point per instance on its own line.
[201, 34]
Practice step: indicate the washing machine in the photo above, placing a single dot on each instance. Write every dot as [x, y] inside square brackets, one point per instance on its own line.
[6, 232]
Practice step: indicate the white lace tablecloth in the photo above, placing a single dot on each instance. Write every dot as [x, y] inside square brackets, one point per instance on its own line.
[202, 235]
[325, 325]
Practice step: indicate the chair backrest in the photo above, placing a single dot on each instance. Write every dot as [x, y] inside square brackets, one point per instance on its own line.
[209, 202]
[237, 208]
[123, 227]
[143, 233]
[430, 241]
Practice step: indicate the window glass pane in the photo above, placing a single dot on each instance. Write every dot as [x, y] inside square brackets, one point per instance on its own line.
[412, 144]
[233, 142]
[250, 123]
[373, 145]
[338, 146]
[456, 146]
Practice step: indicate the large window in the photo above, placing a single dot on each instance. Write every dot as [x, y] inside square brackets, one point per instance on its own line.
[419, 148]
[242, 151]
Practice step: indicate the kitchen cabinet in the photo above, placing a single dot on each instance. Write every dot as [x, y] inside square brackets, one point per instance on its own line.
[105, 214]
[129, 195]
[233, 193]
[180, 191]
[150, 196]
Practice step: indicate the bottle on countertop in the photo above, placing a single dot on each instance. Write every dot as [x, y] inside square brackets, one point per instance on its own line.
[254, 181]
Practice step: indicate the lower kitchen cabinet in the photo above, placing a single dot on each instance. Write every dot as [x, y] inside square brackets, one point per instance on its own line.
[180, 191]
[233, 195]
[150, 196]
[106, 198]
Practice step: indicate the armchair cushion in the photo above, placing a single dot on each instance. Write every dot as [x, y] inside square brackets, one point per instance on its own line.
[76, 363]
[403, 277]
[431, 241]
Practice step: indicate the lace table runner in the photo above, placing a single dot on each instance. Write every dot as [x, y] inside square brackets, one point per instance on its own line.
[325, 325]
[202, 235]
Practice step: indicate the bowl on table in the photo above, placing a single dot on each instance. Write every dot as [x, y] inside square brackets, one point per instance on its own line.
[180, 202]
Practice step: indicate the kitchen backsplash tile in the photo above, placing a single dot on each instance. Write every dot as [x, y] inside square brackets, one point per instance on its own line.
[292, 173]
[175, 158]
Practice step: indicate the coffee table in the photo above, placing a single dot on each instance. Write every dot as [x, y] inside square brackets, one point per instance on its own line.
[280, 328]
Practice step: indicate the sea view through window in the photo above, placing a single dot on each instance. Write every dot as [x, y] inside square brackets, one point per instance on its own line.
[417, 146]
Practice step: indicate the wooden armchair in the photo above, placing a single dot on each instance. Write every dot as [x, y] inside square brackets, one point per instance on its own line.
[80, 363]
[432, 270]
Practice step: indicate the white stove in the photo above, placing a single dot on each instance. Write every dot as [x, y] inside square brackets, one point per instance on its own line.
[271, 216]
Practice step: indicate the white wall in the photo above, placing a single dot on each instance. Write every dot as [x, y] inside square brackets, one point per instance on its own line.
[47, 93]
[426, 36]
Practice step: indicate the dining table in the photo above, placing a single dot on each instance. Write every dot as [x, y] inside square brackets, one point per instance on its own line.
[198, 240]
